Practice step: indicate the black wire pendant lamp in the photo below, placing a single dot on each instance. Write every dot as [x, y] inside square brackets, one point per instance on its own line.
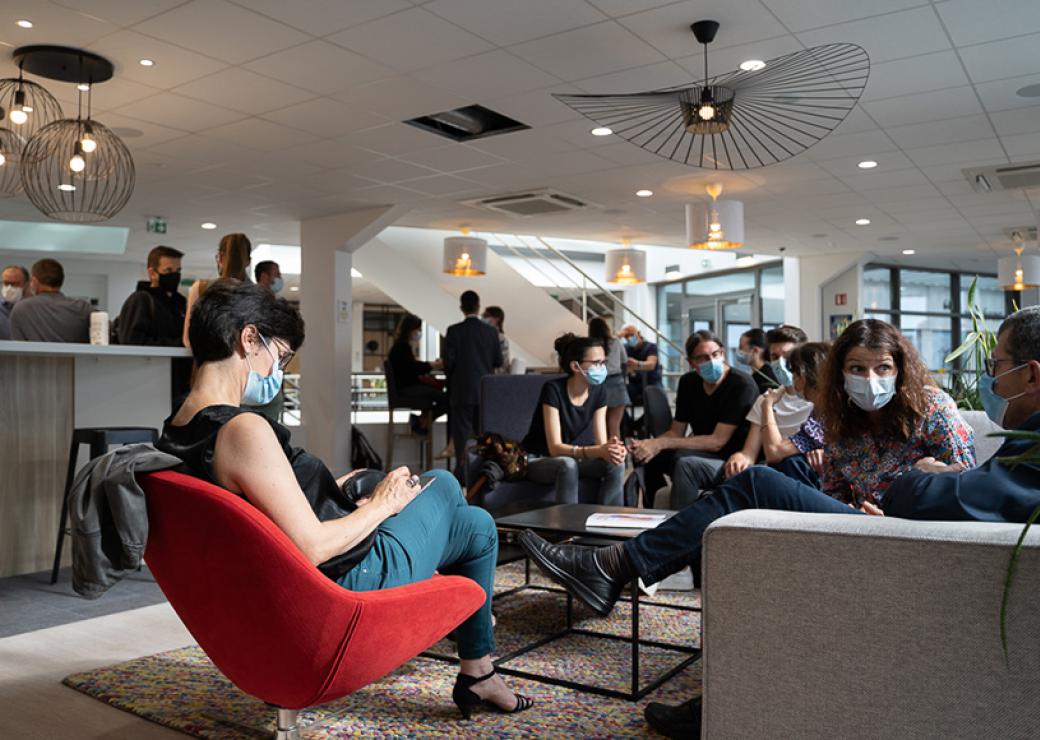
[75, 169]
[25, 107]
[742, 119]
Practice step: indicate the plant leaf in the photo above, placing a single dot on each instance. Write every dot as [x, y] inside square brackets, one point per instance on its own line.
[1012, 565]
[967, 344]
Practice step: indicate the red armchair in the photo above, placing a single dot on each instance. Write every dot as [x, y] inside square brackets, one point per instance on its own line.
[270, 621]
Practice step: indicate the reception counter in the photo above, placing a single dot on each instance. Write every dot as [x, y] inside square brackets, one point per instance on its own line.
[46, 390]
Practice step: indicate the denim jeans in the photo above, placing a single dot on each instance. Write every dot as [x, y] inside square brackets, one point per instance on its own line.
[692, 474]
[438, 531]
[565, 472]
[798, 468]
[676, 543]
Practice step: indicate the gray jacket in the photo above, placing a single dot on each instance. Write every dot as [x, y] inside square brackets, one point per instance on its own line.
[109, 516]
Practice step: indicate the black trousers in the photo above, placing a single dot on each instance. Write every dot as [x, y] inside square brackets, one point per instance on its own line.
[465, 421]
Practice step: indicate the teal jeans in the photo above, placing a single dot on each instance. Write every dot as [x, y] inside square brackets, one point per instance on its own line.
[438, 531]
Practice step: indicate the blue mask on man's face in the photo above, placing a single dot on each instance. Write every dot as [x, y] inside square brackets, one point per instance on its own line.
[712, 370]
[632, 341]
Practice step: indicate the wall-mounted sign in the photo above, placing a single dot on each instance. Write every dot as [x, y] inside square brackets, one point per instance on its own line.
[156, 225]
[841, 299]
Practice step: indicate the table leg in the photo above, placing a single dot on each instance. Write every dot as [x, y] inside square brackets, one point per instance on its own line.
[634, 586]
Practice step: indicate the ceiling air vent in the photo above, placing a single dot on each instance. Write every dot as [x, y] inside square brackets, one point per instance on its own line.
[1004, 177]
[530, 203]
[467, 124]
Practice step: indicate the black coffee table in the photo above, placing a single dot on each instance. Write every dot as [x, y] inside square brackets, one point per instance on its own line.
[567, 521]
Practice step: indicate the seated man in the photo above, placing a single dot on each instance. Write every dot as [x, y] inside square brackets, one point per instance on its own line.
[789, 410]
[930, 490]
[753, 352]
[643, 364]
[713, 401]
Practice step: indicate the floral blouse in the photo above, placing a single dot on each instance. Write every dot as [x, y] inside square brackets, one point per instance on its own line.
[810, 436]
[864, 467]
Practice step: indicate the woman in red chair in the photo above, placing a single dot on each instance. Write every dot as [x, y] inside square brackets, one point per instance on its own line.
[242, 338]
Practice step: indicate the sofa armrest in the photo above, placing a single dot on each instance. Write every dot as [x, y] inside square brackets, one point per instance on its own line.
[822, 625]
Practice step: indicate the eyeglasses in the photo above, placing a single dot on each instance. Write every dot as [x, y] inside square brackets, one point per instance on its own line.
[719, 354]
[992, 362]
[283, 358]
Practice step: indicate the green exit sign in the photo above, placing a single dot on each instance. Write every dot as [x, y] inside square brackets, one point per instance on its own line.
[157, 225]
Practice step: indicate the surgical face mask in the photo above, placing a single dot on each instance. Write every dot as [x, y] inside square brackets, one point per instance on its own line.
[781, 371]
[11, 293]
[743, 357]
[870, 393]
[417, 336]
[277, 284]
[596, 374]
[169, 281]
[632, 341]
[712, 370]
[261, 389]
[995, 405]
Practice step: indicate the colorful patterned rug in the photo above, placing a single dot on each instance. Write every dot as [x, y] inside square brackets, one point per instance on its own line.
[182, 689]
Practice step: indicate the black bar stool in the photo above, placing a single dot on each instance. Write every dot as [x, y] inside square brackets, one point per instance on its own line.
[99, 439]
[394, 402]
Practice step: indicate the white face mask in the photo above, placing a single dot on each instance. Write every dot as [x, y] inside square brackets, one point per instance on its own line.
[11, 293]
[870, 393]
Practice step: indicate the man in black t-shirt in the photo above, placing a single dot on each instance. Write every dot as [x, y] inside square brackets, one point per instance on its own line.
[643, 365]
[712, 401]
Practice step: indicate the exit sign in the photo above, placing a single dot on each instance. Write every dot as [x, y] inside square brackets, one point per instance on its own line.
[156, 225]
[840, 299]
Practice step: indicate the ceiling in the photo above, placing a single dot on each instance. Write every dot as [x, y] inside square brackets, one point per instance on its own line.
[259, 113]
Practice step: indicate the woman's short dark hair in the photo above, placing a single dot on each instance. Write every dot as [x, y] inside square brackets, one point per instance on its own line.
[408, 323]
[756, 338]
[807, 360]
[498, 314]
[703, 335]
[571, 348]
[227, 307]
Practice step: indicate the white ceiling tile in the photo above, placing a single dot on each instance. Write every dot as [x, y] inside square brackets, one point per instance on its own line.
[728, 59]
[570, 163]
[617, 8]
[799, 15]
[443, 185]
[915, 75]
[506, 177]
[948, 131]
[1022, 145]
[486, 76]
[331, 153]
[221, 30]
[119, 12]
[886, 37]
[626, 154]
[637, 79]
[396, 139]
[930, 106]
[322, 17]
[453, 158]
[320, 66]
[337, 181]
[965, 151]
[391, 170]
[527, 19]
[838, 146]
[173, 65]
[538, 107]
[401, 98]
[204, 149]
[179, 112]
[411, 40]
[1016, 121]
[107, 96]
[1003, 94]
[667, 29]
[519, 145]
[389, 194]
[875, 179]
[259, 134]
[856, 122]
[848, 167]
[325, 117]
[588, 52]
[138, 134]
[52, 24]
[1000, 59]
[240, 89]
[973, 22]
[939, 174]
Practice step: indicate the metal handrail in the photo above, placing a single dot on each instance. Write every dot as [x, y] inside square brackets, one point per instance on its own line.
[585, 297]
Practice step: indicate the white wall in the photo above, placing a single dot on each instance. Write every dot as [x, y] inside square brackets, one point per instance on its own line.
[806, 279]
[107, 281]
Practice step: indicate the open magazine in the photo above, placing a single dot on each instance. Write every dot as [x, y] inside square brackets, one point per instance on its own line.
[625, 521]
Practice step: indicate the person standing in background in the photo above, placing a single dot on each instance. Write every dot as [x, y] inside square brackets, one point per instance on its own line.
[15, 287]
[232, 261]
[644, 367]
[154, 315]
[48, 316]
[614, 385]
[471, 350]
[496, 317]
[269, 275]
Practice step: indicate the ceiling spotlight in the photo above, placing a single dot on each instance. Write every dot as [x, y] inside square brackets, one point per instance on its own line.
[209, 226]
[66, 188]
[644, 193]
[24, 23]
[752, 65]
[867, 164]
[862, 222]
[294, 288]
[908, 251]
[601, 131]
[146, 62]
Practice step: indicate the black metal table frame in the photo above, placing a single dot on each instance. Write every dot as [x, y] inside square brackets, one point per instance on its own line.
[636, 691]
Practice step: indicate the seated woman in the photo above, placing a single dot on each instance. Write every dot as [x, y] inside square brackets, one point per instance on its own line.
[568, 435]
[415, 386]
[242, 337]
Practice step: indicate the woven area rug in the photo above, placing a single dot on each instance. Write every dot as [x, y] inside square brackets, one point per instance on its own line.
[182, 689]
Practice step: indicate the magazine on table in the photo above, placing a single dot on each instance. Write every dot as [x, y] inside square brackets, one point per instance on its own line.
[625, 521]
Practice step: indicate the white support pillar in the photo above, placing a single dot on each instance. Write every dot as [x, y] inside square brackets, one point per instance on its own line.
[326, 363]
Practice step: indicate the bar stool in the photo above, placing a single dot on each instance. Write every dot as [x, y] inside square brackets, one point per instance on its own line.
[394, 402]
[99, 439]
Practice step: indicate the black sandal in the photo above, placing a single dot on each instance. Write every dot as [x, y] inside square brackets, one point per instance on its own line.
[466, 699]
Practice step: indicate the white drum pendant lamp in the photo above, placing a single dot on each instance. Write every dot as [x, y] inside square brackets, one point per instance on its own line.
[715, 225]
[465, 255]
[626, 266]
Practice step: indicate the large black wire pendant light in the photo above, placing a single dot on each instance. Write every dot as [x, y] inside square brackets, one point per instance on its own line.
[25, 107]
[75, 169]
[743, 119]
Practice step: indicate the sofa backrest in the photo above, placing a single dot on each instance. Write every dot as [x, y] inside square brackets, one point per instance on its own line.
[985, 445]
[507, 403]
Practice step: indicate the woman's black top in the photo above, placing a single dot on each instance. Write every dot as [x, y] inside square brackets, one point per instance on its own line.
[405, 367]
[195, 442]
[576, 426]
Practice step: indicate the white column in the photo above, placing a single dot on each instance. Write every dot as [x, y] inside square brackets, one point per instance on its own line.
[326, 363]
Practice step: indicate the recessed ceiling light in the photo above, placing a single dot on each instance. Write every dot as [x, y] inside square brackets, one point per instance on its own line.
[66, 188]
[862, 222]
[908, 251]
[867, 164]
[752, 65]
[601, 131]
[644, 193]
[83, 87]
[24, 23]
[146, 62]
[294, 288]
[209, 225]
[1029, 91]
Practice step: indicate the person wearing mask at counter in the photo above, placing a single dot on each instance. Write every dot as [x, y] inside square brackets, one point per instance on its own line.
[15, 287]
[154, 315]
[48, 316]
[269, 275]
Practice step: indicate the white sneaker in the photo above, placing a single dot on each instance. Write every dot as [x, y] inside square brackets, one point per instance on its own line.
[681, 581]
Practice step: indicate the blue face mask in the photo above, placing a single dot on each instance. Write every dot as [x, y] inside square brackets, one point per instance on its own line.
[870, 393]
[995, 405]
[276, 285]
[596, 374]
[782, 373]
[712, 370]
[261, 389]
[632, 341]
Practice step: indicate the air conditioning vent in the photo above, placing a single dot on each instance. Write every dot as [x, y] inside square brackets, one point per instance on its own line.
[530, 203]
[1004, 177]
[468, 123]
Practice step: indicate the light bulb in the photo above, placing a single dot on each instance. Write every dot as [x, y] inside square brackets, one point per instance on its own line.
[715, 226]
[87, 143]
[464, 256]
[77, 163]
[18, 117]
[706, 112]
[27, 108]
[3, 159]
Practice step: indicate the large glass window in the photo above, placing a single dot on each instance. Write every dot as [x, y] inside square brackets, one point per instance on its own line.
[771, 293]
[877, 288]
